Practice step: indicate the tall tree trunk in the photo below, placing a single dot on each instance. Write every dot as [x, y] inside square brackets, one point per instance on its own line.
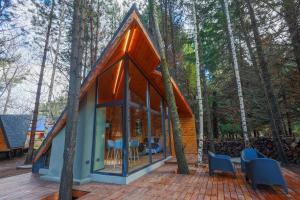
[276, 118]
[176, 127]
[92, 51]
[253, 60]
[291, 14]
[66, 182]
[287, 114]
[29, 156]
[172, 40]
[215, 116]
[210, 134]
[60, 26]
[97, 32]
[199, 91]
[7, 101]
[237, 75]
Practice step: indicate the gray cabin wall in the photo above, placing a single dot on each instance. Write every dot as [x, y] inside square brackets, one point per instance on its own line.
[56, 158]
[84, 142]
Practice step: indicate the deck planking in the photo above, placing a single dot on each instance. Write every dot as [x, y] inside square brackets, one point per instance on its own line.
[162, 183]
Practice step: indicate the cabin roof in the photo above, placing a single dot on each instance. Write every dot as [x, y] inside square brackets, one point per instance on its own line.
[40, 124]
[139, 46]
[15, 129]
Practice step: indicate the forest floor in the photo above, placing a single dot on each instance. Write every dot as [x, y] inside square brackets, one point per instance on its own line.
[8, 167]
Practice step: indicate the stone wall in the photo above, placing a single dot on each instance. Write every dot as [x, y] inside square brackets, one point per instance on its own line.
[264, 145]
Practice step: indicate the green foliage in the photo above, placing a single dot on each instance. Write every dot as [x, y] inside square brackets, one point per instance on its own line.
[56, 107]
[189, 64]
[296, 129]
[229, 127]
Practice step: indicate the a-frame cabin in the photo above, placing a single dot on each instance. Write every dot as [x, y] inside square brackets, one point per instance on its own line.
[124, 129]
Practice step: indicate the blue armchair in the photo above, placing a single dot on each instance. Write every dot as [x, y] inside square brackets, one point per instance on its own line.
[265, 171]
[249, 154]
[262, 170]
[220, 162]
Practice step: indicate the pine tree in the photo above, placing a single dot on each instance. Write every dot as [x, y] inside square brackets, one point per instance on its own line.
[66, 182]
[237, 75]
[176, 127]
[199, 92]
[29, 156]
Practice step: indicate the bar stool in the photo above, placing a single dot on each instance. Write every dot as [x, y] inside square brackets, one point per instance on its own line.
[134, 147]
[110, 150]
[118, 144]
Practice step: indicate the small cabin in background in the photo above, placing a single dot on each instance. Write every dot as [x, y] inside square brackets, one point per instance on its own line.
[13, 130]
[40, 133]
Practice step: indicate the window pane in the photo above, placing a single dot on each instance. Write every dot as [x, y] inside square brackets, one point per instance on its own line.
[111, 84]
[138, 136]
[157, 137]
[108, 140]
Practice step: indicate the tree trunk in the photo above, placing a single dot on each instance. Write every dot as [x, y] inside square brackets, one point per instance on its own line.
[276, 119]
[66, 182]
[172, 40]
[215, 116]
[29, 156]
[208, 112]
[254, 62]
[97, 32]
[92, 48]
[60, 26]
[237, 75]
[287, 114]
[199, 92]
[7, 101]
[176, 127]
[291, 14]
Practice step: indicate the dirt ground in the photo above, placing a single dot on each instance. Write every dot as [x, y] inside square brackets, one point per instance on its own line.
[8, 167]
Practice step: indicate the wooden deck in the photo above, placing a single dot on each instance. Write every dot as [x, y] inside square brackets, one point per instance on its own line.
[162, 183]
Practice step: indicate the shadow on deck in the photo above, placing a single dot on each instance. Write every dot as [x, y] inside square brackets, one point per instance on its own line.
[162, 183]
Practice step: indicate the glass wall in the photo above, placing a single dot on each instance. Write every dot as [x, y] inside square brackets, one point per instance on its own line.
[157, 133]
[108, 142]
[138, 136]
[108, 138]
[148, 128]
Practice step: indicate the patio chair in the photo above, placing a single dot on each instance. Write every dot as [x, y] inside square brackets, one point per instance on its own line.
[265, 171]
[155, 146]
[249, 154]
[220, 162]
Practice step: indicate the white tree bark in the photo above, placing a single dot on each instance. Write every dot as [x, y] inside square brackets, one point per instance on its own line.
[237, 75]
[199, 91]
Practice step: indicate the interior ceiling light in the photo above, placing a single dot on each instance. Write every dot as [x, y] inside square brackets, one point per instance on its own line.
[132, 38]
[117, 76]
[126, 40]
